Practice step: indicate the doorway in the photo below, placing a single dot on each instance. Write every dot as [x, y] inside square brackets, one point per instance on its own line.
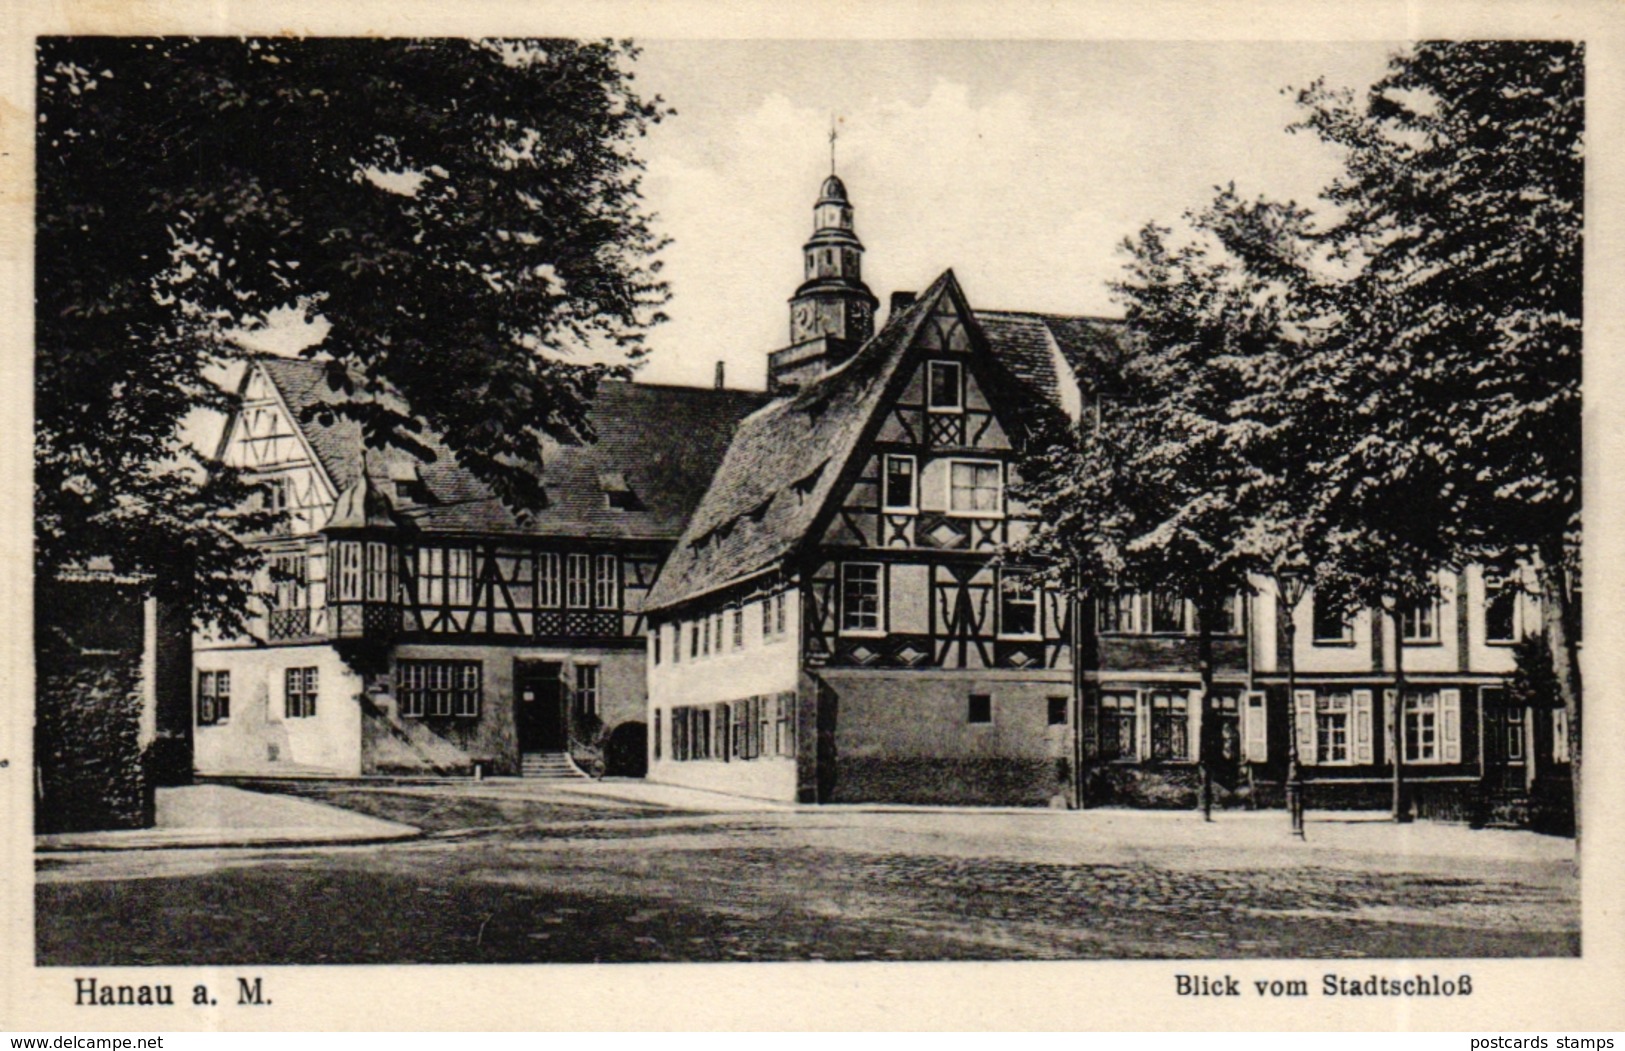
[538, 688]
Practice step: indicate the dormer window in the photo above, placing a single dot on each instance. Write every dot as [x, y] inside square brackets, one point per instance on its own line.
[617, 493]
[945, 387]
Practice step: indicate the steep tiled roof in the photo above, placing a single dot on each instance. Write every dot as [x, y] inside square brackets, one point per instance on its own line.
[1039, 349]
[657, 448]
[787, 457]
[783, 463]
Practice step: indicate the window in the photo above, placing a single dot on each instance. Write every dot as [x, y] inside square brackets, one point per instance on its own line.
[587, 689]
[694, 640]
[860, 597]
[438, 688]
[1018, 605]
[1331, 625]
[1119, 613]
[1170, 726]
[705, 635]
[657, 733]
[946, 387]
[547, 579]
[1333, 712]
[276, 494]
[767, 618]
[656, 633]
[1229, 619]
[778, 613]
[1500, 610]
[975, 488]
[900, 493]
[1421, 727]
[738, 628]
[980, 709]
[213, 697]
[1057, 711]
[299, 693]
[378, 572]
[576, 594]
[1421, 622]
[446, 576]
[605, 582]
[784, 726]
[1119, 734]
[1514, 732]
[290, 581]
[1167, 613]
[349, 566]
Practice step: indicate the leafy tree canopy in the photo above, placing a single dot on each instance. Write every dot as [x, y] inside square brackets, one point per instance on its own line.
[464, 215]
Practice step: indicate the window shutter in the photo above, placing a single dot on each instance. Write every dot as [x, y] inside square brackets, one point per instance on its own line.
[1255, 734]
[1450, 717]
[1194, 714]
[1364, 751]
[1303, 703]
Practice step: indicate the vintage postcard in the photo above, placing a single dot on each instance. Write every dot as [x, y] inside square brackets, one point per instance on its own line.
[554, 516]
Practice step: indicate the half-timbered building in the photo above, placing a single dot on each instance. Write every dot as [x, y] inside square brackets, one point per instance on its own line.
[415, 624]
[837, 622]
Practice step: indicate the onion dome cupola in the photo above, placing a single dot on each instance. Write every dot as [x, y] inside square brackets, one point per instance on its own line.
[832, 301]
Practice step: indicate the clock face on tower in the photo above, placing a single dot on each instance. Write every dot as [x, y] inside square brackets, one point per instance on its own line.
[803, 323]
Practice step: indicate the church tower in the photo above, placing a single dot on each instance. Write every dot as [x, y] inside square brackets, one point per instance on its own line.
[833, 312]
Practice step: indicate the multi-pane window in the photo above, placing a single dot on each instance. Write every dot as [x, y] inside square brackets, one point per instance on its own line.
[1119, 731]
[767, 618]
[438, 688]
[1421, 726]
[975, 487]
[1421, 622]
[378, 572]
[694, 639]
[290, 588]
[899, 489]
[1333, 713]
[1018, 605]
[577, 581]
[656, 644]
[860, 597]
[658, 737]
[587, 689]
[979, 709]
[778, 614]
[1119, 613]
[705, 635]
[1500, 610]
[606, 582]
[1228, 621]
[945, 386]
[738, 628]
[348, 556]
[548, 581]
[1170, 726]
[299, 693]
[445, 576]
[1331, 623]
[213, 697]
[1167, 612]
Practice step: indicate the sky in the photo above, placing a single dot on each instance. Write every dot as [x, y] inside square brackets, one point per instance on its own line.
[1022, 165]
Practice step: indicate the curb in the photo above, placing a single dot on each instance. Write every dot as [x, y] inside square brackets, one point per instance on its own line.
[373, 839]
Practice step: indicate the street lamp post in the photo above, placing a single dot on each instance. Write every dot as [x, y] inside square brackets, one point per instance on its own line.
[1290, 588]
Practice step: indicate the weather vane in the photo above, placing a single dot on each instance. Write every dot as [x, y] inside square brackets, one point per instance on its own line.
[832, 144]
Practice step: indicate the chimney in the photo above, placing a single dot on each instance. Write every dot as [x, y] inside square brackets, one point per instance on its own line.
[719, 375]
[901, 301]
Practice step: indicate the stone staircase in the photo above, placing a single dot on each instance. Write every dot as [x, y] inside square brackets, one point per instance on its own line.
[548, 766]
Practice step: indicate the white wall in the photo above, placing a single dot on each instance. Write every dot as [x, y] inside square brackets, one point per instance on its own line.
[328, 742]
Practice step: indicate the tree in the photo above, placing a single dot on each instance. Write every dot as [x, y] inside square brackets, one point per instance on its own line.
[464, 216]
[1163, 493]
[1457, 351]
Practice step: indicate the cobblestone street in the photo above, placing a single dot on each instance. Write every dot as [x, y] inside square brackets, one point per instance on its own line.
[530, 878]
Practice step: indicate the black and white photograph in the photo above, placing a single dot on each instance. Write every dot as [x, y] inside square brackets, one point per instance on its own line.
[540, 497]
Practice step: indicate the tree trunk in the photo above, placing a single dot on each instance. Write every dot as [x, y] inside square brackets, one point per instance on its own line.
[1557, 620]
[1397, 720]
[1205, 746]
